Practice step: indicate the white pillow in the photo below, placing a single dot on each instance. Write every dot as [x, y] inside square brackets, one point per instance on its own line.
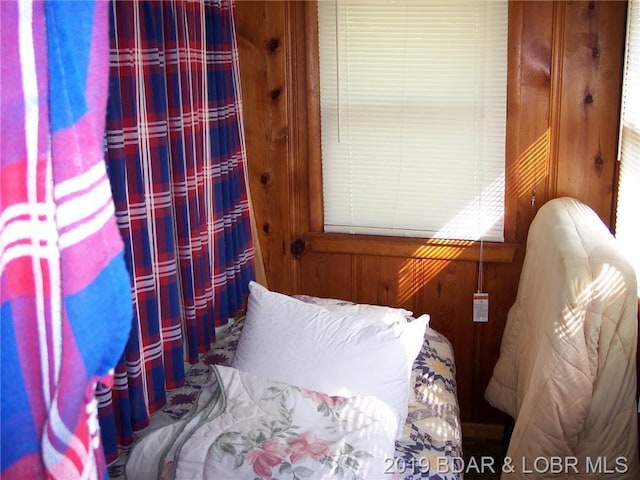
[378, 312]
[388, 315]
[303, 344]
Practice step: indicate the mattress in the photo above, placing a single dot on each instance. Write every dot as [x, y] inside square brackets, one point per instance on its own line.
[428, 448]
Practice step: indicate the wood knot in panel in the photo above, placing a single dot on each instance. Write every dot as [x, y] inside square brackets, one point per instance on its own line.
[275, 93]
[598, 163]
[273, 44]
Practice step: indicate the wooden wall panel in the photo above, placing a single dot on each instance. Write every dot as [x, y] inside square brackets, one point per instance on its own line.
[529, 104]
[385, 281]
[590, 96]
[261, 33]
[552, 144]
[501, 281]
[445, 290]
[327, 275]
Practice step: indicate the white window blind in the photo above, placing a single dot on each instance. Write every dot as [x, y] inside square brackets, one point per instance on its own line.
[413, 114]
[627, 218]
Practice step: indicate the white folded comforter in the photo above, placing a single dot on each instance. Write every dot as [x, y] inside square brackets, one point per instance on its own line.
[566, 371]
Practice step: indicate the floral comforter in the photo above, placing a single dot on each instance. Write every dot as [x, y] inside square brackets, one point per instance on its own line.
[429, 448]
[251, 427]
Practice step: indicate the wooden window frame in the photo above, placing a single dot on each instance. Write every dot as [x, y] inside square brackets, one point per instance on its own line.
[304, 111]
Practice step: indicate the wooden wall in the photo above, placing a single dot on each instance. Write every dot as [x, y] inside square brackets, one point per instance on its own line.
[565, 61]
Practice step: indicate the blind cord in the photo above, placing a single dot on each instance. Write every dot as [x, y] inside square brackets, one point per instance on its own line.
[481, 266]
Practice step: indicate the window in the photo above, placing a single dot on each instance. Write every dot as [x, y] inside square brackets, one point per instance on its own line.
[413, 114]
[627, 224]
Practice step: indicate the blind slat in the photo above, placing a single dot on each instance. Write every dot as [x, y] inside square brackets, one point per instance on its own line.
[413, 105]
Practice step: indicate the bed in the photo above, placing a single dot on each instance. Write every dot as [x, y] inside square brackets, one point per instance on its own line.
[345, 391]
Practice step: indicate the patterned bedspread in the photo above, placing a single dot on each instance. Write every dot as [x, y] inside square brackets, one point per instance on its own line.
[429, 448]
[431, 444]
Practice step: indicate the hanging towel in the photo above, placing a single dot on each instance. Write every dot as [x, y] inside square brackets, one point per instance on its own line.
[65, 292]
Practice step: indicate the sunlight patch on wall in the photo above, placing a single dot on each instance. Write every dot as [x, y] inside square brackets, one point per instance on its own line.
[471, 223]
[532, 166]
[415, 273]
[530, 169]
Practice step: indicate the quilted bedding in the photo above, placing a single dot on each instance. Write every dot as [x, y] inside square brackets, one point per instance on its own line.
[566, 371]
[229, 424]
[251, 427]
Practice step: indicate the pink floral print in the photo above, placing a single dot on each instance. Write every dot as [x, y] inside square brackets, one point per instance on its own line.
[306, 445]
[279, 449]
[320, 398]
[269, 454]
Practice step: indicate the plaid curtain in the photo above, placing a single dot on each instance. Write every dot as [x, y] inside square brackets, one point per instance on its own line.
[65, 308]
[176, 161]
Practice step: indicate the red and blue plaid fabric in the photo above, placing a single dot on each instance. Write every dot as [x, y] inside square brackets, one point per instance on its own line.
[176, 161]
[65, 291]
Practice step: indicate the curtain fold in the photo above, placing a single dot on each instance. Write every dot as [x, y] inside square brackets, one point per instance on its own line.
[176, 161]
